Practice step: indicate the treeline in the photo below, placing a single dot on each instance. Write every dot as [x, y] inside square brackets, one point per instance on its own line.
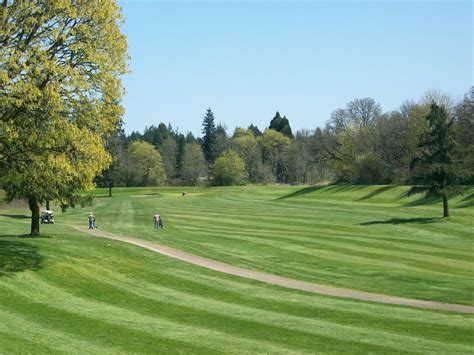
[360, 144]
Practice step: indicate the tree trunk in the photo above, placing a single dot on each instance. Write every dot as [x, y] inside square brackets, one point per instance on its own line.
[47, 205]
[35, 217]
[445, 206]
[110, 189]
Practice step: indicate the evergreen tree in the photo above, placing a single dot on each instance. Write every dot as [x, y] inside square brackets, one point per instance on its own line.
[435, 170]
[209, 139]
[181, 140]
[281, 125]
[275, 123]
[255, 130]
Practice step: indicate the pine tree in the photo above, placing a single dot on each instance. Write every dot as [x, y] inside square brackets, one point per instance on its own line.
[281, 125]
[209, 138]
[275, 123]
[435, 171]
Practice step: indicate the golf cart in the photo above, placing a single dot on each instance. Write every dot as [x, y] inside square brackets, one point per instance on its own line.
[47, 217]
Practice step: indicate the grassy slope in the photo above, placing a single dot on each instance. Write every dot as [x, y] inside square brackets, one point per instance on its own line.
[72, 292]
[367, 238]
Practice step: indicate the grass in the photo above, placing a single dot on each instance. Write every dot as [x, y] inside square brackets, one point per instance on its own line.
[370, 238]
[70, 292]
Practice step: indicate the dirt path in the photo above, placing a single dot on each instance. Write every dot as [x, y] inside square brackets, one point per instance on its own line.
[283, 281]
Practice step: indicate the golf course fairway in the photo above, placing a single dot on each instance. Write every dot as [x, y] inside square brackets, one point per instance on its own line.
[69, 291]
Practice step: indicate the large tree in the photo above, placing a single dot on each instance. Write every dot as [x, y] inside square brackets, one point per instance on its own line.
[281, 125]
[60, 95]
[435, 170]
[145, 164]
[229, 169]
[275, 153]
[209, 132]
[194, 164]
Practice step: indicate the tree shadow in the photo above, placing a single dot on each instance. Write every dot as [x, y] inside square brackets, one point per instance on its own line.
[403, 221]
[303, 191]
[18, 256]
[22, 216]
[467, 201]
[333, 188]
[422, 201]
[376, 192]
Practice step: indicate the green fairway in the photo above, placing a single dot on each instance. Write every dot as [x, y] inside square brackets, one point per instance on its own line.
[367, 238]
[71, 292]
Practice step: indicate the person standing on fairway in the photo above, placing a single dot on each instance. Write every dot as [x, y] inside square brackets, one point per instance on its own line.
[91, 220]
[157, 220]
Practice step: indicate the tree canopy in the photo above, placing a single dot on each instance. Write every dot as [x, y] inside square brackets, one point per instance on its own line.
[60, 95]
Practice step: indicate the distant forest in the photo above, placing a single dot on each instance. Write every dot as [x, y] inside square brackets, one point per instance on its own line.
[359, 144]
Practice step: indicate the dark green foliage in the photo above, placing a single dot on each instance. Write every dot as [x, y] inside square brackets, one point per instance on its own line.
[281, 125]
[435, 171]
[180, 156]
[256, 132]
[209, 136]
[464, 125]
[156, 135]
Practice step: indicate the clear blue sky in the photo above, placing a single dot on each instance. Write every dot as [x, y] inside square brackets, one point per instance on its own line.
[248, 59]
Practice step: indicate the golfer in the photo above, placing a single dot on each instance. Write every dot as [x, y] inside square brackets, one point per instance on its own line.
[91, 220]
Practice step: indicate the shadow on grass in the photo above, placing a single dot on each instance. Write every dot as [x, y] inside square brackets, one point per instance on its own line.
[16, 256]
[423, 200]
[376, 192]
[22, 216]
[403, 221]
[326, 188]
[303, 191]
[467, 201]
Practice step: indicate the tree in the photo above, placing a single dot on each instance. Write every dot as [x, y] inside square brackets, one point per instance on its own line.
[60, 94]
[247, 147]
[464, 123]
[146, 164]
[435, 170]
[275, 153]
[228, 169]
[156, 135]
[358, 113]
[116, 146]
[194, 164]
[256, 132]
[281, 125]
[222, 142]
[209, 136]
[169, 151]
[181, 145]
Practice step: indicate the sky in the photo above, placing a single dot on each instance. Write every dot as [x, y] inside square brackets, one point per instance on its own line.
[248, 59]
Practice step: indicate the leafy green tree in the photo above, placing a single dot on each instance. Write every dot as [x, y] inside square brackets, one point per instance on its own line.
[169, 151]
[194, 164]
[146, 164]
[209, 136]
[435, 170]
[228, 169]
[60, 94]
[246, 145]
[222, 142]
[275, 153]
[116, 146]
